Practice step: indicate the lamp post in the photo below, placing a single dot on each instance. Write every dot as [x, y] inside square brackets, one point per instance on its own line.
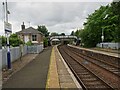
[102, 36]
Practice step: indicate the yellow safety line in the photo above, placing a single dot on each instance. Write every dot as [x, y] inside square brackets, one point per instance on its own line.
[52, 77]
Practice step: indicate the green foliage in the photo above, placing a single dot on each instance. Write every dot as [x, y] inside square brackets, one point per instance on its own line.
[43, 30]
[72, 33]
[3, 40]
[115, 7]
[29, 43]
[62, 34]
[45, 42]
[14, 40]
[77, 33]
[106, 18]
[57, 34]
[54, 34]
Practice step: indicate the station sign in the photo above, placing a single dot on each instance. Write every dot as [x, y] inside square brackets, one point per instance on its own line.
[8, 27]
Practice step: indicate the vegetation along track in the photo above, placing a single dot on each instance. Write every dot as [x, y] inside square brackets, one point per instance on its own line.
[89, 74]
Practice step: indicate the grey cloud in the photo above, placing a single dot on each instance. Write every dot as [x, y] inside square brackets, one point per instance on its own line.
[60, 17]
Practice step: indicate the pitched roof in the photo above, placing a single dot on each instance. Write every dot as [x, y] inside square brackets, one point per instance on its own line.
[30, 30]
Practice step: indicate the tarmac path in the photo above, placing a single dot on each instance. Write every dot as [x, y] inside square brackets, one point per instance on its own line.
[33, 75]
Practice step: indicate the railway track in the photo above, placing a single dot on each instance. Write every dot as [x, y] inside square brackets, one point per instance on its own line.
[109, 59]
[115, 69]
[83, 70]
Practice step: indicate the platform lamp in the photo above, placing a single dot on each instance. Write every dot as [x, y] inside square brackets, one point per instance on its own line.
[102, 36]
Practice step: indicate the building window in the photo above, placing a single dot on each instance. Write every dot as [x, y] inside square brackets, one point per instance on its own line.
[34, 37]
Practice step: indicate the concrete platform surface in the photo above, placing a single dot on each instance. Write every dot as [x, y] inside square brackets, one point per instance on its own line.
[62, 74]
[16, 66]
[33, 75]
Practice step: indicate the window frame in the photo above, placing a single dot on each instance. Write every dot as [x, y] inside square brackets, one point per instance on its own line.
[34, 37]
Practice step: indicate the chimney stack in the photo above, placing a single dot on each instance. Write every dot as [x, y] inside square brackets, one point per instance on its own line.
[23, 26]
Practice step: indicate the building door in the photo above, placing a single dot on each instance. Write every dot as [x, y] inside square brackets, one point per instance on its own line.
[26, 38]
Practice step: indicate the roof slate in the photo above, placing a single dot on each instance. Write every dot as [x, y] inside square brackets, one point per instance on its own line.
[30, 30]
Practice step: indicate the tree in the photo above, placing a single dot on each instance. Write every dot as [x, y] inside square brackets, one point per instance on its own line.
[54, 34]
[91, 35]
[77, 34]
[3, 40]
[72, 33]
[115, 8]
[14, 40]
[45, 42]
[106, 18]
[43, 30]
[62, 34]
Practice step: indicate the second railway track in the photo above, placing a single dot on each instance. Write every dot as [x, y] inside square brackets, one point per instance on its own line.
[87, 73]
[115, 69]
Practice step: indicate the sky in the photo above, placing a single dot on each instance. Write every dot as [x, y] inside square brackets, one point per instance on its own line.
[58, 16]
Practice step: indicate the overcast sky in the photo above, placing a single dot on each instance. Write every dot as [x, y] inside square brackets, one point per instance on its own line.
[60, 17]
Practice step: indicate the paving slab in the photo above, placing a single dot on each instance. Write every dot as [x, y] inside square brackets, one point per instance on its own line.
[61, 72]
[65, 78]
[68, 85]
[33, 75]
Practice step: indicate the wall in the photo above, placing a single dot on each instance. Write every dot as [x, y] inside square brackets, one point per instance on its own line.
[39, 38]
[109, 45]
[16, 53]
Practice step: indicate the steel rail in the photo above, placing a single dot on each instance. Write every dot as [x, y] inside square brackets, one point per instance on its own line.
[95, 63]
[86, 69]
[96, 58]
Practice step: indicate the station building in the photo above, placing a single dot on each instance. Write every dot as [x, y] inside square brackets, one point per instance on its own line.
[30, 34]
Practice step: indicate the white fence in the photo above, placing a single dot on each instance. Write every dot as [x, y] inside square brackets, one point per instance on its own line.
[16, 53]
[35, 49]
[109, 45]
[0, 59]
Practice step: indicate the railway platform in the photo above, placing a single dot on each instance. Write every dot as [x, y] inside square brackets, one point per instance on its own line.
[99, 51]
[32, 75]
[47, 70]
[60, 76]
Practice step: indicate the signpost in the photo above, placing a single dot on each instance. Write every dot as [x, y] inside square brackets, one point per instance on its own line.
[8, 31]
[8, 27]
